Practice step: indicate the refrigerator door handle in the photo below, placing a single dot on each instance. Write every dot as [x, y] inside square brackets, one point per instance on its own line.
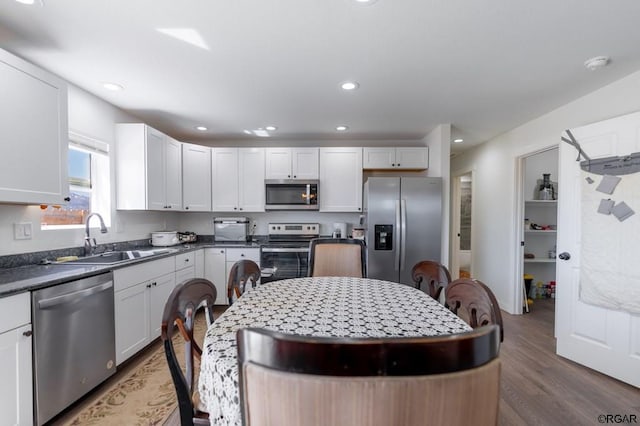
[403, 228]
[397, 234]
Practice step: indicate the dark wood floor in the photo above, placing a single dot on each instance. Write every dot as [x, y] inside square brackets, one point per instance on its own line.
[539, 387]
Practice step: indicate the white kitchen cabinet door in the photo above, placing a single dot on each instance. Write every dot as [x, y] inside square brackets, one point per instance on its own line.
[340, 179]
[148, 169]
[155, 179]
[251, 187]
[196, 178]
[132, 321]
[199, 262]
[159, 290]
[35, 135]
[416, 158]
[379, 158]
[278, 163]
[291, 163]
[305, 163]
[215, 271]
[236, 254]
[16, 387]
[173, 174]
[224, 179]
[401, 158]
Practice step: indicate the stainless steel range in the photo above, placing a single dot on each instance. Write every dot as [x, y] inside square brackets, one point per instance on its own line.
[286, 253]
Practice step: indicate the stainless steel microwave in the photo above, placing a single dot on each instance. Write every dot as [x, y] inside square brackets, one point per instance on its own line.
[291, 194]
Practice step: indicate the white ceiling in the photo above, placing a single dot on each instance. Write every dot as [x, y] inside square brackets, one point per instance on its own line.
[485, 66]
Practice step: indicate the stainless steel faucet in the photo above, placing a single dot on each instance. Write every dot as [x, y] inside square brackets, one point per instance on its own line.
[90, 243]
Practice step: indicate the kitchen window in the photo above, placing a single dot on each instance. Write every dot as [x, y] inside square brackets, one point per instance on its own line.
[89, 185]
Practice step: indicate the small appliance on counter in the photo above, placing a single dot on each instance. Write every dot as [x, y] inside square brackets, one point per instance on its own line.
[339, 230]
[164, 238]
[231, 229]
[187, 237]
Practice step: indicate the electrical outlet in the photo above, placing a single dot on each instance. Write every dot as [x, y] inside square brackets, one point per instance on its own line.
[22, 231]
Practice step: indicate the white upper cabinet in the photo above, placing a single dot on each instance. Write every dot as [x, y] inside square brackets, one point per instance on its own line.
[196, 178]
[291, 163]
[148, 169]
[412, 158]
[340, 180]
[238, 179]
[33, 134]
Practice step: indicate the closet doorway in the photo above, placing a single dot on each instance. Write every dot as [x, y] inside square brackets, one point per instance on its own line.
[461, 258]
[538, 218]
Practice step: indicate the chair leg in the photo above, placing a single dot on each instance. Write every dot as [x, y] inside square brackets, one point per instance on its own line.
[526, 299]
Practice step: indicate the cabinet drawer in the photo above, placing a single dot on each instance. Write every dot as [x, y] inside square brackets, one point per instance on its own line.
[127, 277]
[15, 311]
[235, 254]
[185, 260]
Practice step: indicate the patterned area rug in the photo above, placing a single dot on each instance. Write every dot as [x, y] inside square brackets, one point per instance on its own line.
[144, 395]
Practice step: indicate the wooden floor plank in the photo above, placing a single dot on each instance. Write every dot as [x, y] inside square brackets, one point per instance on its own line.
[539, 387]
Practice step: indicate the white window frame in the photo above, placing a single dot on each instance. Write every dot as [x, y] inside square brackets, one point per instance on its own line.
[100, 172]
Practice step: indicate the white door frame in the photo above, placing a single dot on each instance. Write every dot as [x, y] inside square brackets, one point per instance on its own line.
[454, 246]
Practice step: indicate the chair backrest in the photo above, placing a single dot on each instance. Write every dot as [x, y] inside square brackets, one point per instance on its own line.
[242, 272]
[337, 257]
[179, 310]
[474, 302]
[431, 277]
[302, 380]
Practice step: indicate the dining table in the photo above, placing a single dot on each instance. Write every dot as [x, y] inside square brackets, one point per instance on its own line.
[313, 306]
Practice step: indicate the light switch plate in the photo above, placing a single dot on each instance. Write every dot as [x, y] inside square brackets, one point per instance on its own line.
[22, 231]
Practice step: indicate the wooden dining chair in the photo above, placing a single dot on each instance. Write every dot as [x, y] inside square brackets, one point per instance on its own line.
[179, 313]
[242, 272]
[289, 380]
[474, 302]
[431, 277]
[337, 257]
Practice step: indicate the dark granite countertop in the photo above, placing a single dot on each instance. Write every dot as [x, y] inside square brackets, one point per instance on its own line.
[32, 277]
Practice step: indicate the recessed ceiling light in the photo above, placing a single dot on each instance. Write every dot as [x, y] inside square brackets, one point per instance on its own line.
[26, 1]
[271, 128]
[342, 128]
[247, 132]
[350, 85]
[458, 140]
[114, 87]
[201, 128]
[188, 35]
[366, 1]
[596, 62]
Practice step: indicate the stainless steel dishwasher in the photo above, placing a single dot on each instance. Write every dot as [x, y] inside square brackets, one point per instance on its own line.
[74, 342]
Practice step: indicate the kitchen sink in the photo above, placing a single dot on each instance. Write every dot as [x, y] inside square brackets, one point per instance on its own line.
[114, 257]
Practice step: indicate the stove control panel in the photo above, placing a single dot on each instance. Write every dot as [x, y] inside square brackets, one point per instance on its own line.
[294, 229]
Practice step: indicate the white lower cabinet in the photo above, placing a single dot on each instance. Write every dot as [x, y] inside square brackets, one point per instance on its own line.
[16, 386]
[141, 292]
[215, 271]
[185, 267]
[218, 263]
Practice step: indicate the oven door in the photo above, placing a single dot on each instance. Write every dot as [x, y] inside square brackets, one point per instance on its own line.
[281, 263]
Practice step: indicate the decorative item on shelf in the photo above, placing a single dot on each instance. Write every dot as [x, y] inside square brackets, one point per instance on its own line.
[529, 256]
[546, 189]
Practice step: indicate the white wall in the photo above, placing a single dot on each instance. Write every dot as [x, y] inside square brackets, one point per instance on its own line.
[495, 246]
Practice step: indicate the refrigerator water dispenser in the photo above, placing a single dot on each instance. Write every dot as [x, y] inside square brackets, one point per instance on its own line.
[383, 237]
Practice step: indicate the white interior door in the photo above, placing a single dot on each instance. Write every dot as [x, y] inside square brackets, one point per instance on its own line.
[603, 339]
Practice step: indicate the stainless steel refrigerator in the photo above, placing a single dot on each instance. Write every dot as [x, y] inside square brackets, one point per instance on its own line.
[403, 217]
